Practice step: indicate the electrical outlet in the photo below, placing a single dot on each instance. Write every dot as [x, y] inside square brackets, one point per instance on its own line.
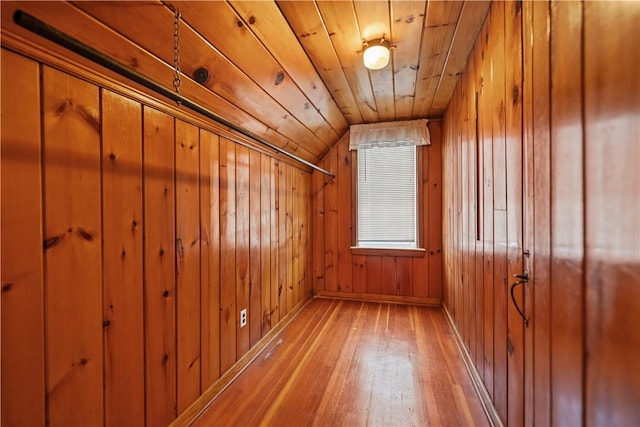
[243, 317]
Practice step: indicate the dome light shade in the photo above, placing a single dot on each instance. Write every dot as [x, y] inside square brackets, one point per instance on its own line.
[376, 54]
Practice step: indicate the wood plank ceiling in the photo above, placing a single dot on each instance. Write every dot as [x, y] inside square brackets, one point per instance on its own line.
[288, 71]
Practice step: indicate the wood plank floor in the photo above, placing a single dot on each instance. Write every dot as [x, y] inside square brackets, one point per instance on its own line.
[347, 363]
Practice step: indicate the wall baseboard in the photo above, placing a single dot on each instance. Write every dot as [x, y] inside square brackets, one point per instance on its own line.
[197, 408]
[395, 299]
[483, 394]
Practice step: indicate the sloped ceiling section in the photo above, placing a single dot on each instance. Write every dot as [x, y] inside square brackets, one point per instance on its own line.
[289, 71]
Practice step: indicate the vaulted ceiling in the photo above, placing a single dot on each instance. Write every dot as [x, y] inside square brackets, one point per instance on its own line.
[288, 71]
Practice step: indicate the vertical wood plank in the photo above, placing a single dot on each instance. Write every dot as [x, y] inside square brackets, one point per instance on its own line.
[529, 187]
[388, 266]
[499, 209]
[274, 241]
[266, 284]
[331, 224]
[283, 260]
[374, 280]
[307, 236]
[73, 238]
[404, 277]
[304, 205]
[123, 256]
[22, 311]
[567, 214]
[475, 73]
[486, 102]
[541, 273]
[159, 267]
[435, 211]
[359, 274]
[255, 285]
[421, 265]
[228, 318]
[242, 248]
[470, 111]
[611, 38]
[514, 168]
[209, 259]
[293, 209]
[318, 206]
[187, 145]
[344, 215]
[290, 289]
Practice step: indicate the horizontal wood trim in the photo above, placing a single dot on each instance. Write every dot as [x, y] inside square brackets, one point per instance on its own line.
[109, 80]
[432, 302]
[413, 253]
[200, 405]
[485, 399]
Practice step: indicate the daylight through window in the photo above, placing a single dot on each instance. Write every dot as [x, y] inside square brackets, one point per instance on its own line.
[387, 197]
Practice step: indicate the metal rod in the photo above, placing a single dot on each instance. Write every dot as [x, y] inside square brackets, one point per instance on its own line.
[43, 29]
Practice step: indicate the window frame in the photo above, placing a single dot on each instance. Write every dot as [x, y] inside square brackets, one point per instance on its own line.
[419, 250]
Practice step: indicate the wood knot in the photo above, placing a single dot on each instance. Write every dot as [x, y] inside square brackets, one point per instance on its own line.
[252, 20]
[52, 241]
[7, 287]
[84, 234]
[112, 156]
[165, 294]
[106, 324]
[83, 361]
[279, 78]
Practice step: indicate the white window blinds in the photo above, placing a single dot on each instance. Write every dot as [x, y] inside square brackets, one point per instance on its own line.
[387, 197]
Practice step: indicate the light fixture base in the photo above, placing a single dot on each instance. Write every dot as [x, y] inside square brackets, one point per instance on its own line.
[376, 53]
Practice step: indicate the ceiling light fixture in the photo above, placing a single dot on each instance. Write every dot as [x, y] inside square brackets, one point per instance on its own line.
[376, 53]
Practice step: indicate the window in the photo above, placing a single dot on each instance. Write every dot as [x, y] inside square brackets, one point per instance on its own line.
[386, 182]
[387, 197]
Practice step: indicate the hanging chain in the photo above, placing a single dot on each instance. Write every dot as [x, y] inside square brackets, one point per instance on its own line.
[177, 82]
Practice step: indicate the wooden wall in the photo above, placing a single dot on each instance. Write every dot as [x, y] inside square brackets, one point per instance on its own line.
[375, 274]
[131, 240]
[541, 140]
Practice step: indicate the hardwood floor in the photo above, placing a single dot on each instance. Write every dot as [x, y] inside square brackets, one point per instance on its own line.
[349, 363]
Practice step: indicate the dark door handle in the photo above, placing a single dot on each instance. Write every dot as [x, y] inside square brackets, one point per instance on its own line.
[523, 279]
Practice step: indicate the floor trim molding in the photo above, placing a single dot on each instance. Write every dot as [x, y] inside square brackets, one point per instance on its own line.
[483, 394]
[202, 403]
[394, 299]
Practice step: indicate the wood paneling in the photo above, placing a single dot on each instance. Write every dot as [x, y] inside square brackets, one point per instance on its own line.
[122, 202]
[153, 239]
[612, 212]
[73, 253]
[242, 248]
[159, 267]
[255, 270]
[354, 363]
[209, 259]
[227, 254]
[567, 214]
[375, 272]
[556, 150]
[187, 176]
[23, 357]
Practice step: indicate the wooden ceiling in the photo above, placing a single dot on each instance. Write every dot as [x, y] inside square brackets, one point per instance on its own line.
[288, 71]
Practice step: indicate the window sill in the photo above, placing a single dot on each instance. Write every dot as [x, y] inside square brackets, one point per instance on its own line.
[413, 252]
